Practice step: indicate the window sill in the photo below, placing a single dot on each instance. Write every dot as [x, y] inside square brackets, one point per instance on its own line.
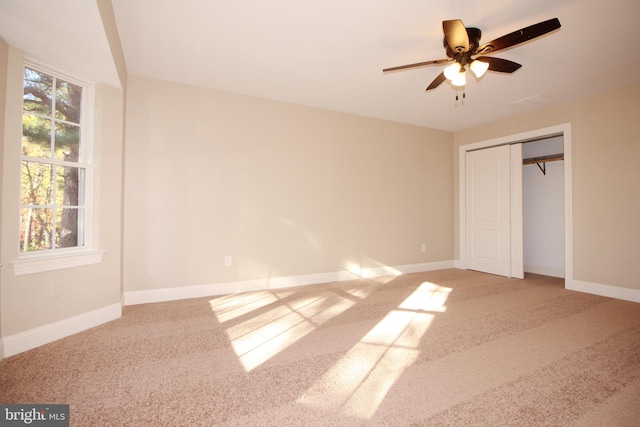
[56, 262]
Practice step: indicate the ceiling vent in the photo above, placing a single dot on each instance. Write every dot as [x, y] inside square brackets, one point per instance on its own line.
[531, 101]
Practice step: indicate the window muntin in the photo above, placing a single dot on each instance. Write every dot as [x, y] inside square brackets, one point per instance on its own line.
[54, 168]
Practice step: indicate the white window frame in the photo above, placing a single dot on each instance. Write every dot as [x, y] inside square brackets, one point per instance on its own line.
[60, 258]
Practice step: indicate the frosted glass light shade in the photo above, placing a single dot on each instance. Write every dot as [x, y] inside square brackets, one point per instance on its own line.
[479, 68]
[452, 71]
[459, 79]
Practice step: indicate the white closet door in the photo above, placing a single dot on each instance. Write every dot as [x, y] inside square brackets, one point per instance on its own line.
[488, 210]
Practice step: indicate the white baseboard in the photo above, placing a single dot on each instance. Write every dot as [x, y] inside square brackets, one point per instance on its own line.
[545, 271]
[198, 291]
[33, 338]
[617, 292]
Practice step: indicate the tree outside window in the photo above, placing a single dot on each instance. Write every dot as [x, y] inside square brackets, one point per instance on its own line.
[53, 173]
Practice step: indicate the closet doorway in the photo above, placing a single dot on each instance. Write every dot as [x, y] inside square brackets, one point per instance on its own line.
[543, 206]
[540, 144]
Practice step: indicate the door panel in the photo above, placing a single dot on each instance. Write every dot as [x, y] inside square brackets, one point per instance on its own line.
[488, 210]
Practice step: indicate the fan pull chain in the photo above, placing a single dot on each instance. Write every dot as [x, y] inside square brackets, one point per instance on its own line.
[464, 96]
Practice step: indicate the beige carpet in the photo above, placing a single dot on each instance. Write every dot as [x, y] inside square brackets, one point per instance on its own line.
[449, 347]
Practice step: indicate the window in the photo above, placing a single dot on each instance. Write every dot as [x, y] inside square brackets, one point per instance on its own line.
[55, 169]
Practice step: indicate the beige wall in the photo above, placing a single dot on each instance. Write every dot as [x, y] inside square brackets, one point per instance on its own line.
[27, 301]
[285, 190]
[606, 199]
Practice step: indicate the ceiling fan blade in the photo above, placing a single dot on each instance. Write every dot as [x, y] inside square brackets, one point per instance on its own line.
[417, 64]
[520, 36]
[456, 35]
[437, 81]
[500, 65]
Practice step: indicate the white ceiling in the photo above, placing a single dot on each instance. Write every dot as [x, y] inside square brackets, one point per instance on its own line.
[66, 34]
[330, 54]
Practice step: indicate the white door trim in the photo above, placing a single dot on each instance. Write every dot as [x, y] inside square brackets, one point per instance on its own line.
[517, 226]
[563, 129]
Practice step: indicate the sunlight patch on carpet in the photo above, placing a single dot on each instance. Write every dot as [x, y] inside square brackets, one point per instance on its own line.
[361, 379]
[231, 306]
[274, 322]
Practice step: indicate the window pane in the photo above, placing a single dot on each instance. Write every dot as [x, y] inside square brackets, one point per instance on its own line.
[68, 101]
[36, 136]
[67, 221]
[52, 193]
[37, 92]
[68, 185]
[37, 184]
[36, 227]
[67, 142]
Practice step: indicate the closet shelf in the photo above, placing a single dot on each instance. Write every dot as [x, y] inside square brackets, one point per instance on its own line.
[543, 160]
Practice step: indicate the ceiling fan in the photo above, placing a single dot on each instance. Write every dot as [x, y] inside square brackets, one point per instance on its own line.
[462, 44]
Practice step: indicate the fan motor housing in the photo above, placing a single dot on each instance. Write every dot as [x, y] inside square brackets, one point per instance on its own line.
[474, 35]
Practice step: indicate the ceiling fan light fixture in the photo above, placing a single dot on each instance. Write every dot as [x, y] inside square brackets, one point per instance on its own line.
[459, 79]
[479, 68]
[462, 43]
[452, 71]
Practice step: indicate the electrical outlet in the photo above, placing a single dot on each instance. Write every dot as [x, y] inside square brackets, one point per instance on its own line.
[228, 261]
[424, 247]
